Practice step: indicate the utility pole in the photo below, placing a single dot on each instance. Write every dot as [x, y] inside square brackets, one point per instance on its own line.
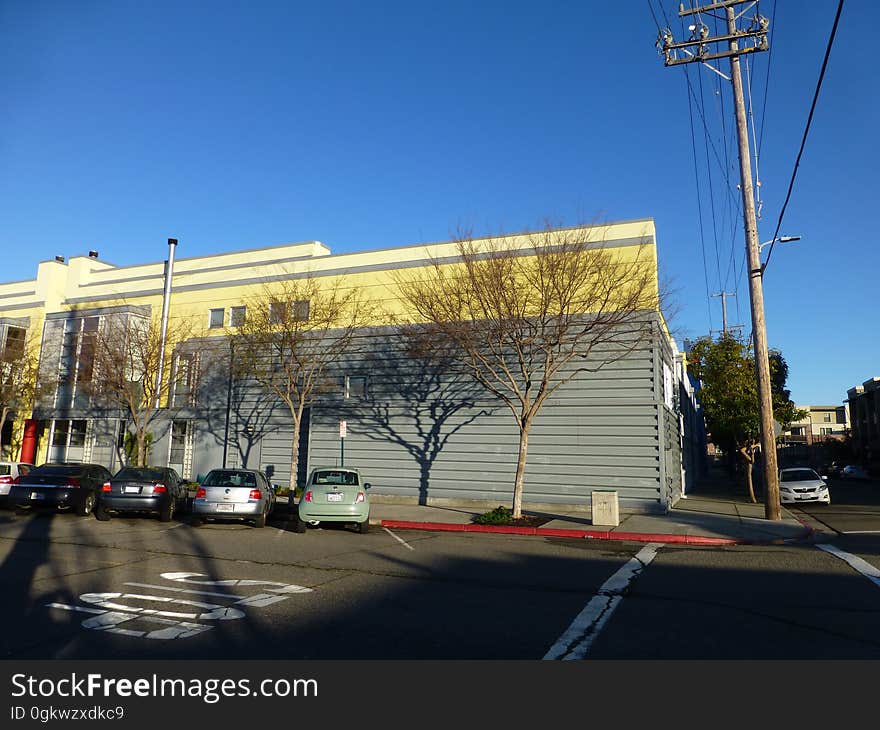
[699, 49]
[724, 295]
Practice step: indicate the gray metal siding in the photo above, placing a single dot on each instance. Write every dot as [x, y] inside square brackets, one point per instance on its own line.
[598, 432]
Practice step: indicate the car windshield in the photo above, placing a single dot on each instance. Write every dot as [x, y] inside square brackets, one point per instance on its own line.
[222, 478]
[56, 470]
[798, 475]
[141, 473]
[345, 478]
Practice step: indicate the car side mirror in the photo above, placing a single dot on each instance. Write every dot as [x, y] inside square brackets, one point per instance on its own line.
[367, 485]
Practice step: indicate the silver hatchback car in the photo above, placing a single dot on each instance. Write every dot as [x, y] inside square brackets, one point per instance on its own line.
[234, 494]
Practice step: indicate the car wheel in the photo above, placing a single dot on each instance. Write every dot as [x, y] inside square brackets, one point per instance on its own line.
[261, 520]
[298, 524]
[87, 505]
[364, 527]
[101, 512]
[166, 514]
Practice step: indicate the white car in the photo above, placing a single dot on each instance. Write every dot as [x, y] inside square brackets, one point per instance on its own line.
[9, 471]
[802, 484]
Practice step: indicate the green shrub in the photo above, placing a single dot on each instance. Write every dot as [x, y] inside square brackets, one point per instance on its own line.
[496, 516]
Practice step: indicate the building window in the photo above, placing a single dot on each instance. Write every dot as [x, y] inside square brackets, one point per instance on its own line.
[826, 431]
[355, 387]
[301, 310]
[60, 432]
[77, 433]
[178, 443]
[215, 318]
[281, 312]
[13, 347]
[184, 380]
[827, 418]
[236, 316]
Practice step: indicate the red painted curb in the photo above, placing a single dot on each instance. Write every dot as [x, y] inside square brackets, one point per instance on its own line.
[589, 534]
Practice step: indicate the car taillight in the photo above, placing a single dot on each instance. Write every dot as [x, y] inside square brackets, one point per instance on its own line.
[307, 496]
[201, 492]
[17, 480]
[6, 479]
[159, 489]
[72, 482]
[255, 494]
[105, 487]
[360, 498]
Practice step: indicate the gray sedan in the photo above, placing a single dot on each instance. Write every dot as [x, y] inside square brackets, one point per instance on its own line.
[234, 494]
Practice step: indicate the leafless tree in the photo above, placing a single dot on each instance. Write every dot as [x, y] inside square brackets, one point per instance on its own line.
[119, 367]
[523, 319]
[18, 379]
[291, 334]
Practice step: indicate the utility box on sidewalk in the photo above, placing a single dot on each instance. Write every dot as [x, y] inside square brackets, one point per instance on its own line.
[604, 508]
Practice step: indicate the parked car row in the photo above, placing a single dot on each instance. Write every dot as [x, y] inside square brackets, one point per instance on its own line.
[332, 494]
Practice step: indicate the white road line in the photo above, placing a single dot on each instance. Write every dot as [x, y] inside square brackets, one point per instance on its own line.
[855, 562]
[173, 527]
[579, 637]
[860, 532]
[402, 542]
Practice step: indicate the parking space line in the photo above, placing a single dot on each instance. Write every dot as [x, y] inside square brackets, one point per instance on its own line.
[854, 561]
[579, 637]
[401, 541]
[183, 590]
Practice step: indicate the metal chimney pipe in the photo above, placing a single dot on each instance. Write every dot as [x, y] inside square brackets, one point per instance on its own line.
[166, 303]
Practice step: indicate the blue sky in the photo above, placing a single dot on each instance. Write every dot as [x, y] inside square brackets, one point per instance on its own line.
[233, 125]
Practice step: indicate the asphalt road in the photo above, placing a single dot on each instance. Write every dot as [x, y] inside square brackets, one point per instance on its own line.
[137, 588]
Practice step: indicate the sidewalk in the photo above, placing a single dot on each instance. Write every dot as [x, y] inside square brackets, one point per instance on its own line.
[715, 514]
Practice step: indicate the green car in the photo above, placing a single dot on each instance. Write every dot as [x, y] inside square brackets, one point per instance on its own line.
[334, 494]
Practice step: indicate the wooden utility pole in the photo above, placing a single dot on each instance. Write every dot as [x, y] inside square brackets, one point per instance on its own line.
[698, 49]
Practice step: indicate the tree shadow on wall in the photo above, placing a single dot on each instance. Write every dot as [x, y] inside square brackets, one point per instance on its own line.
[415, 399]
[240, 413]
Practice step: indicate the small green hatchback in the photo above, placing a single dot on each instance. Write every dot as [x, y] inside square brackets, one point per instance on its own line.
[334, 494]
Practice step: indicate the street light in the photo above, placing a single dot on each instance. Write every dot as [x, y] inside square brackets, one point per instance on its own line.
[781, 239]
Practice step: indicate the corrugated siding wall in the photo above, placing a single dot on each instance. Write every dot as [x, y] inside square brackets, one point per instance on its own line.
[413, 437]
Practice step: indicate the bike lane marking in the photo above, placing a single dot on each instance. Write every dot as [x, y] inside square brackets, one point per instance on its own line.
[577, 639]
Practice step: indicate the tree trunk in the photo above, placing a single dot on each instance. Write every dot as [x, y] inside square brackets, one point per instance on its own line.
[3, 413]
[294, 452]
[749, 458]
[520, 469]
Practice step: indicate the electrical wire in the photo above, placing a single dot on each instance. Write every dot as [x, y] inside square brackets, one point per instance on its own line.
[806, 132]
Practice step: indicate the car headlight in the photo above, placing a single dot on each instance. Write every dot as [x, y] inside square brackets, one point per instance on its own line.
[785, 489]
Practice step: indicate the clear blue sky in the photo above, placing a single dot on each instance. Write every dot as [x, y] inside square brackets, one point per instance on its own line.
[232, 125]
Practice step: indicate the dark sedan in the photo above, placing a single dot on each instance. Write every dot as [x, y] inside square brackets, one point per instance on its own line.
[153, 490]
[60, 486]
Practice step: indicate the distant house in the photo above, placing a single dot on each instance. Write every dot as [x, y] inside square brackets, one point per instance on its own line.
[821, 423]
[864, 409]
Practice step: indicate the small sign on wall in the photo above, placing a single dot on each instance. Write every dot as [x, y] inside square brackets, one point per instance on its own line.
[343, 429]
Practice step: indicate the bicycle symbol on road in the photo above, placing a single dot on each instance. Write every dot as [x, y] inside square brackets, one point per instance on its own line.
[115, 612]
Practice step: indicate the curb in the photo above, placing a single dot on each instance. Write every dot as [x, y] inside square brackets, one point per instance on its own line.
[594, 534]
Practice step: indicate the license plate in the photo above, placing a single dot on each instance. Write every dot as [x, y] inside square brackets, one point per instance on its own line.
[225, 507]
[38, 495]
[131, 490]
[334, 496]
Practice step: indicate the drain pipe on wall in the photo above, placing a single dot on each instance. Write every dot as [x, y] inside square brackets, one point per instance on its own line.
[166, 303]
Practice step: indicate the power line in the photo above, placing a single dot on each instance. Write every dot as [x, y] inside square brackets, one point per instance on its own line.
[806, 132]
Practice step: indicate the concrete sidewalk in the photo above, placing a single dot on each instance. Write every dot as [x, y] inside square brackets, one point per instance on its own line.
[716, 514]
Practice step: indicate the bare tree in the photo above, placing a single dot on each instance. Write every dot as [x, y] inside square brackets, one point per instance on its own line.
[523, 319]
[292, 333]
[121, 358]
[18, 378]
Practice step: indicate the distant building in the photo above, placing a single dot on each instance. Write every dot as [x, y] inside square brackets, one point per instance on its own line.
[821, 423]
[864, 407]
